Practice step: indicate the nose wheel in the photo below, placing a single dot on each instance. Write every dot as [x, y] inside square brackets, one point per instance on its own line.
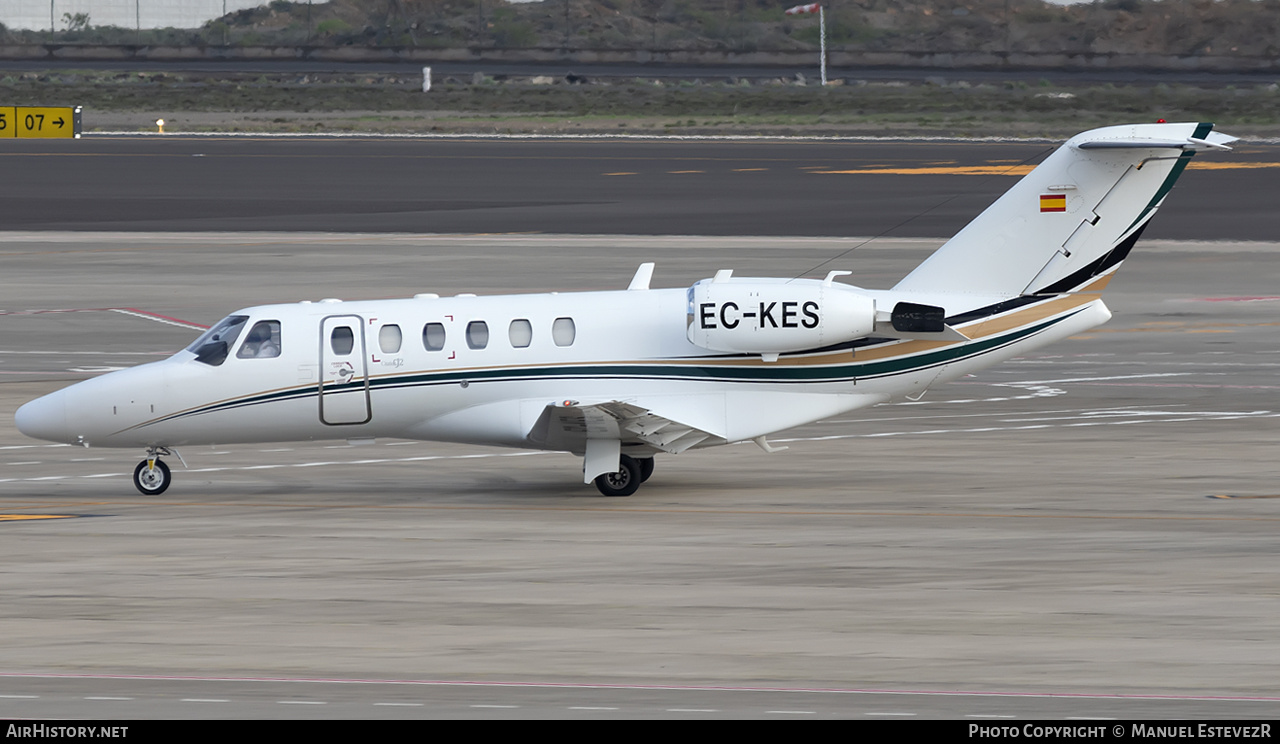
[152, 476]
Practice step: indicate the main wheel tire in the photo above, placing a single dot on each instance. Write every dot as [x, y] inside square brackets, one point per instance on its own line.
[622, 483]
[646, 467]
[152, 481]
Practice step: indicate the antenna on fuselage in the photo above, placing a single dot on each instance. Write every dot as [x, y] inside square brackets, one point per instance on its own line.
[643, 275]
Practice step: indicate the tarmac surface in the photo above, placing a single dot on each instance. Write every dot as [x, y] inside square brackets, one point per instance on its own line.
[584, 186]
[1084, 532]
[1042, 540]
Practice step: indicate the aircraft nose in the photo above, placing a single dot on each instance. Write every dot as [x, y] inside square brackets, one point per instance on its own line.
[44, 418]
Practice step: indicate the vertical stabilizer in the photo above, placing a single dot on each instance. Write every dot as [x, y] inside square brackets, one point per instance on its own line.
[1072, 218]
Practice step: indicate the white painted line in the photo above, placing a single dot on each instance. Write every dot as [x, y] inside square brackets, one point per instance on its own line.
[639, 137]
[988, 414]
[321, 463]
[84, 353]
[301, 702]
[1095, 379]
[1183, 417]
[99, 370]
[108, 698]
[32, 446]
[20, 697]
[159, 318]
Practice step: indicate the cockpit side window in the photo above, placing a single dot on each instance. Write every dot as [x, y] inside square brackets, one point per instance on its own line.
[263, 341]
[212, 347]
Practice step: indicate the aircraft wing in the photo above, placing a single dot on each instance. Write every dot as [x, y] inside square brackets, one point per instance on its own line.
[569, 424]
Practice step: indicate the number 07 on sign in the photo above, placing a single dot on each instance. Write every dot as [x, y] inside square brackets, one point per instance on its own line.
[40, 121]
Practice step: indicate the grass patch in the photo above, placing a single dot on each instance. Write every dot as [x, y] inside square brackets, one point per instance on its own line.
[396, 103]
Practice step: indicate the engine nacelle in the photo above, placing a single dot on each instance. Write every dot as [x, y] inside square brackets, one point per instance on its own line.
[770, 316]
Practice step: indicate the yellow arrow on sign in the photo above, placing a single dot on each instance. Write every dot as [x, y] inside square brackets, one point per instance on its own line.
[40, 121]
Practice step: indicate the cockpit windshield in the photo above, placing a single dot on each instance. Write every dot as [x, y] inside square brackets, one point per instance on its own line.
[213, 346]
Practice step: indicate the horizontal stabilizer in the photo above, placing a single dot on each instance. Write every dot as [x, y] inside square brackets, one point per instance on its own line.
[1214, 141]
[1133, 144]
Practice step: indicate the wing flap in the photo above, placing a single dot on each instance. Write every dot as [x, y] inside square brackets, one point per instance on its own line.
[568, 426]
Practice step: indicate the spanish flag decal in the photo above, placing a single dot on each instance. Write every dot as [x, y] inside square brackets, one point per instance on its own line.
[1053, 202]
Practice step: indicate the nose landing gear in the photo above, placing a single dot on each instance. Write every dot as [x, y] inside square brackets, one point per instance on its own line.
[152, 476]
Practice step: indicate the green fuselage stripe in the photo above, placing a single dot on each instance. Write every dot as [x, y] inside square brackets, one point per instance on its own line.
[781, 373]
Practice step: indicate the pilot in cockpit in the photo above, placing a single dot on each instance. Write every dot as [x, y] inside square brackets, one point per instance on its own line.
[261, 343]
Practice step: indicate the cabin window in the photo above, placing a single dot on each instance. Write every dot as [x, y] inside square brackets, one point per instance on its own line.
[477, 334]
[390, 338]
[563, 331]
[433, 336]
[342, 340]
[263, 341]
[212, 347]
[521, 333]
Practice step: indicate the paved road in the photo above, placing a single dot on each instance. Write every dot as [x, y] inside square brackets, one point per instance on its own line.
[769, 188]
[1037, 541]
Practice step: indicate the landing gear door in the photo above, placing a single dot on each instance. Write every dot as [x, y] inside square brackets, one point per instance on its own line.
[344, 371]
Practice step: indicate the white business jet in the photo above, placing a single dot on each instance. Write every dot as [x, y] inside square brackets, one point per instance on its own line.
[619, 377]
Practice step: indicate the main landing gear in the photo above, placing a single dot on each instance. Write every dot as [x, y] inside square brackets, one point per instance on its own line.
[633, 472]
[152, 476]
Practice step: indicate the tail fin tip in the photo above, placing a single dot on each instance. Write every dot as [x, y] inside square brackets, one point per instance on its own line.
[1063, 220]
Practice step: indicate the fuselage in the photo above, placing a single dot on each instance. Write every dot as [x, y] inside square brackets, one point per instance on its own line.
[482, 370]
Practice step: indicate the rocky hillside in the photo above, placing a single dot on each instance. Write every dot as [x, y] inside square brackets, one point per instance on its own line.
[1248, 28]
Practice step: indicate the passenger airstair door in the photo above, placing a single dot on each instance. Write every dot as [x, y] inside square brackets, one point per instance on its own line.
[344, 371]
